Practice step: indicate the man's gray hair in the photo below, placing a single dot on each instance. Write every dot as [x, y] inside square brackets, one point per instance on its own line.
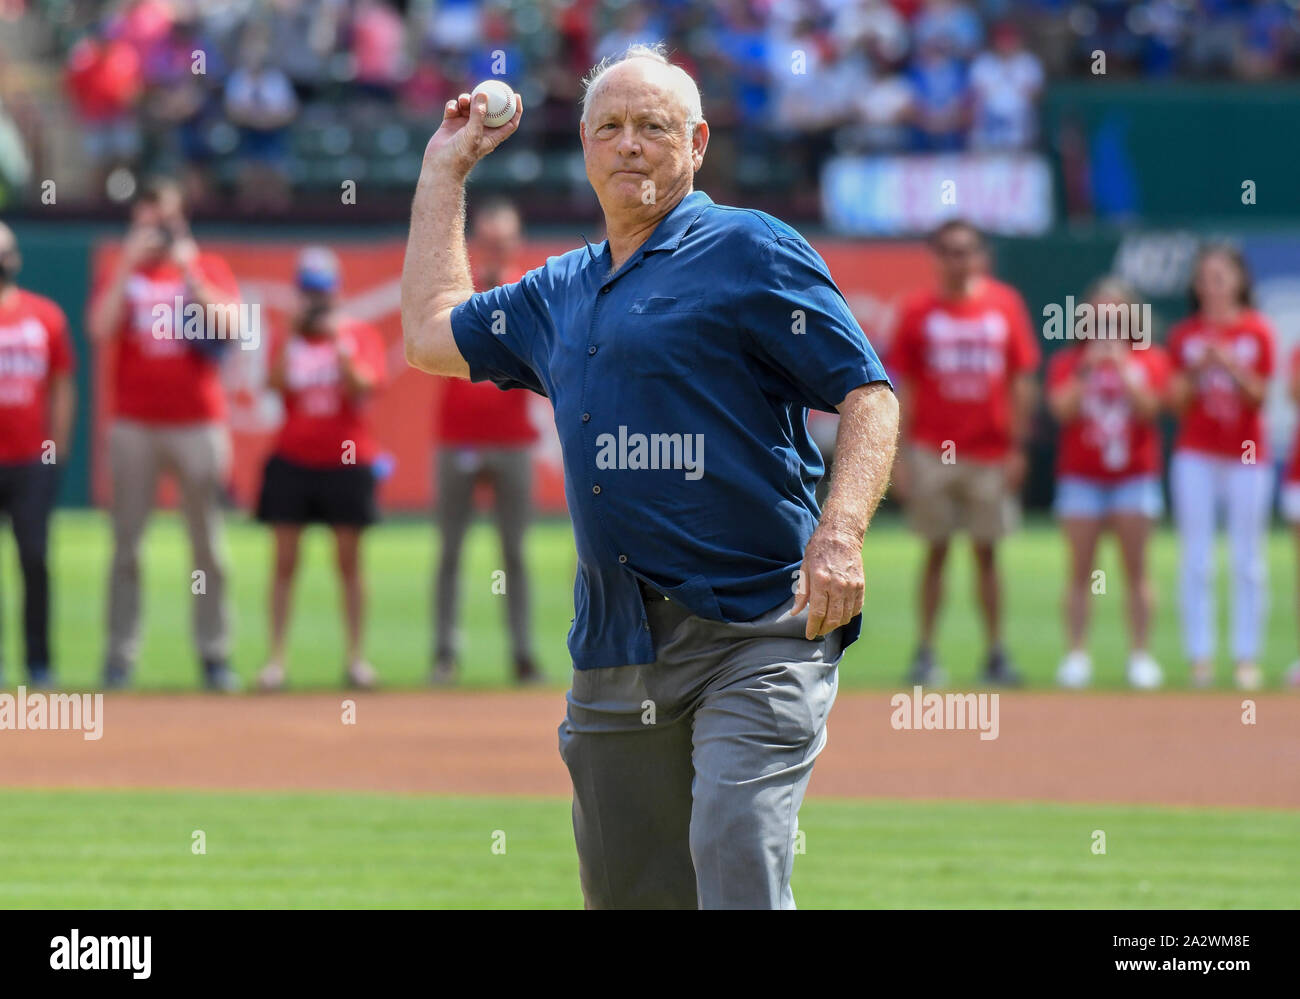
[687, 90]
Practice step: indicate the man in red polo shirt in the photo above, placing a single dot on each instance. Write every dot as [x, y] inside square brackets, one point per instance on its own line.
[169, 413]
[962, 360]
[36, 406]
[485, 434]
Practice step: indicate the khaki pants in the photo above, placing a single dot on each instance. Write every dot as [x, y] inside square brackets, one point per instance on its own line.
[198, 455]
[946, 497]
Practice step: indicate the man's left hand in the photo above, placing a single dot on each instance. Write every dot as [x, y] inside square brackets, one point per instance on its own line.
[831, 583]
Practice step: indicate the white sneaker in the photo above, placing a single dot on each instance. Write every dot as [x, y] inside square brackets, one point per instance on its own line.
[1248, 676]
[1075, 670]
[1202, 675]
[271, 677]
[1144, 672]
[361, 676]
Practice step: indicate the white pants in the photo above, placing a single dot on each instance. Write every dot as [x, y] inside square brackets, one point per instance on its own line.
[1202, 485]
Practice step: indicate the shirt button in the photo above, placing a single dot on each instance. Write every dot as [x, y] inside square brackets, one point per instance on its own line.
[596, 490]
[586, 417]
[622, 559]
[591, 350]
[605, 290]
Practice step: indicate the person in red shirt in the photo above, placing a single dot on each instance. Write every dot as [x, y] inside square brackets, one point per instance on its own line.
[321, 468]
[1222, 359]
[104, 79]
[485, 434]
[1291, 490]
[168, 411]
[37, 400]
[962, 361]
[1106, 395]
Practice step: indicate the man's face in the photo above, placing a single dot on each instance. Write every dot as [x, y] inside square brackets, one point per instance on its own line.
[960, 254]
[164, 213]
[313, 307]
[635, 141]
[496, 239]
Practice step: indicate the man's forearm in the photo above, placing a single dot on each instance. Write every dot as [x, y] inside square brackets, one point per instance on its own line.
[1024, 398]
[107, 310]
[201, 291]
[864, 456]
[435, 272]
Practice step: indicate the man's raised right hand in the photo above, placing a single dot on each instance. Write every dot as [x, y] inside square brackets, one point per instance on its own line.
[463, 139]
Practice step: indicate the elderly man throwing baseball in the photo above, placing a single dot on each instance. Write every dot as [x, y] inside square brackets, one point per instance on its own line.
[712, 605]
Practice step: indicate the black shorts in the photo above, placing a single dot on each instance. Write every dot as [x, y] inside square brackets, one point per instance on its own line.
[295, 494]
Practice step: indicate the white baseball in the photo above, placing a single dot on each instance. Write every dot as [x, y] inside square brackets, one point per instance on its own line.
[501, 102]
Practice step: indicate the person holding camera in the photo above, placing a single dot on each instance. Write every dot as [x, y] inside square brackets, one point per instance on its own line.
[168, 416]
[321, 468]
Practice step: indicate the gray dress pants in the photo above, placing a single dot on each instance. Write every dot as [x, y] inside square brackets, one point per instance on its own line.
[688, 772]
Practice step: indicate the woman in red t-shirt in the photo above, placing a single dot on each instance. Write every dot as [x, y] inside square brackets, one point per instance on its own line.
[1291, 490]
[1106, 394]
[321, 467]
[1222, 358]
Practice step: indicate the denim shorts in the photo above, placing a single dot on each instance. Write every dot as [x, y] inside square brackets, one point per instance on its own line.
[1080, 497]
[1291, 502]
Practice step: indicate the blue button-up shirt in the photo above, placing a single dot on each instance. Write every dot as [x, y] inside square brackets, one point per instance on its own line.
[681, 386]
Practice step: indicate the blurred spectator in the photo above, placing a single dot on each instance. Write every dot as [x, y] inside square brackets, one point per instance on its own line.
[497, 53]
[455, 25]
[168, 416]
[884, 109]
[37, 401]
[949, 25]
[428, 87]
[810, 77]
[304, 37]
[15, 165]
[1269, 30]
[485, 436]
[378, 43]
[142, 24]
[104, 80]
[634, 26]
[941, 94]
[814, 93]
[743, 47]
[185, 73]
[261, 102]
[876, 26]
[1005, 86]
[326, 369]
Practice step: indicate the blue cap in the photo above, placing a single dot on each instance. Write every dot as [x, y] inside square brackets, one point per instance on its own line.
[318, 269]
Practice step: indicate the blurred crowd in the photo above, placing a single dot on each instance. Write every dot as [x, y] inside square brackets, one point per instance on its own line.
[186, 86]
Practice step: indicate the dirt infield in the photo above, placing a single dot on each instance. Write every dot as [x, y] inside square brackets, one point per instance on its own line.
[1181, 749]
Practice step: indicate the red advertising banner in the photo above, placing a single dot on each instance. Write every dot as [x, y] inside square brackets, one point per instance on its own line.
[872, 277]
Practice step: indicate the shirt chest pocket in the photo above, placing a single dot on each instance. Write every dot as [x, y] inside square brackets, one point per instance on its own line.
[662, 335]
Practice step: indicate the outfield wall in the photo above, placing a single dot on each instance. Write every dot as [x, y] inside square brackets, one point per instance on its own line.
[60, 262]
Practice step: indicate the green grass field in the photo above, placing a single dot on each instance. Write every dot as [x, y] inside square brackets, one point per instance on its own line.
[400, 556]
[63, 849]
[131, 849]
